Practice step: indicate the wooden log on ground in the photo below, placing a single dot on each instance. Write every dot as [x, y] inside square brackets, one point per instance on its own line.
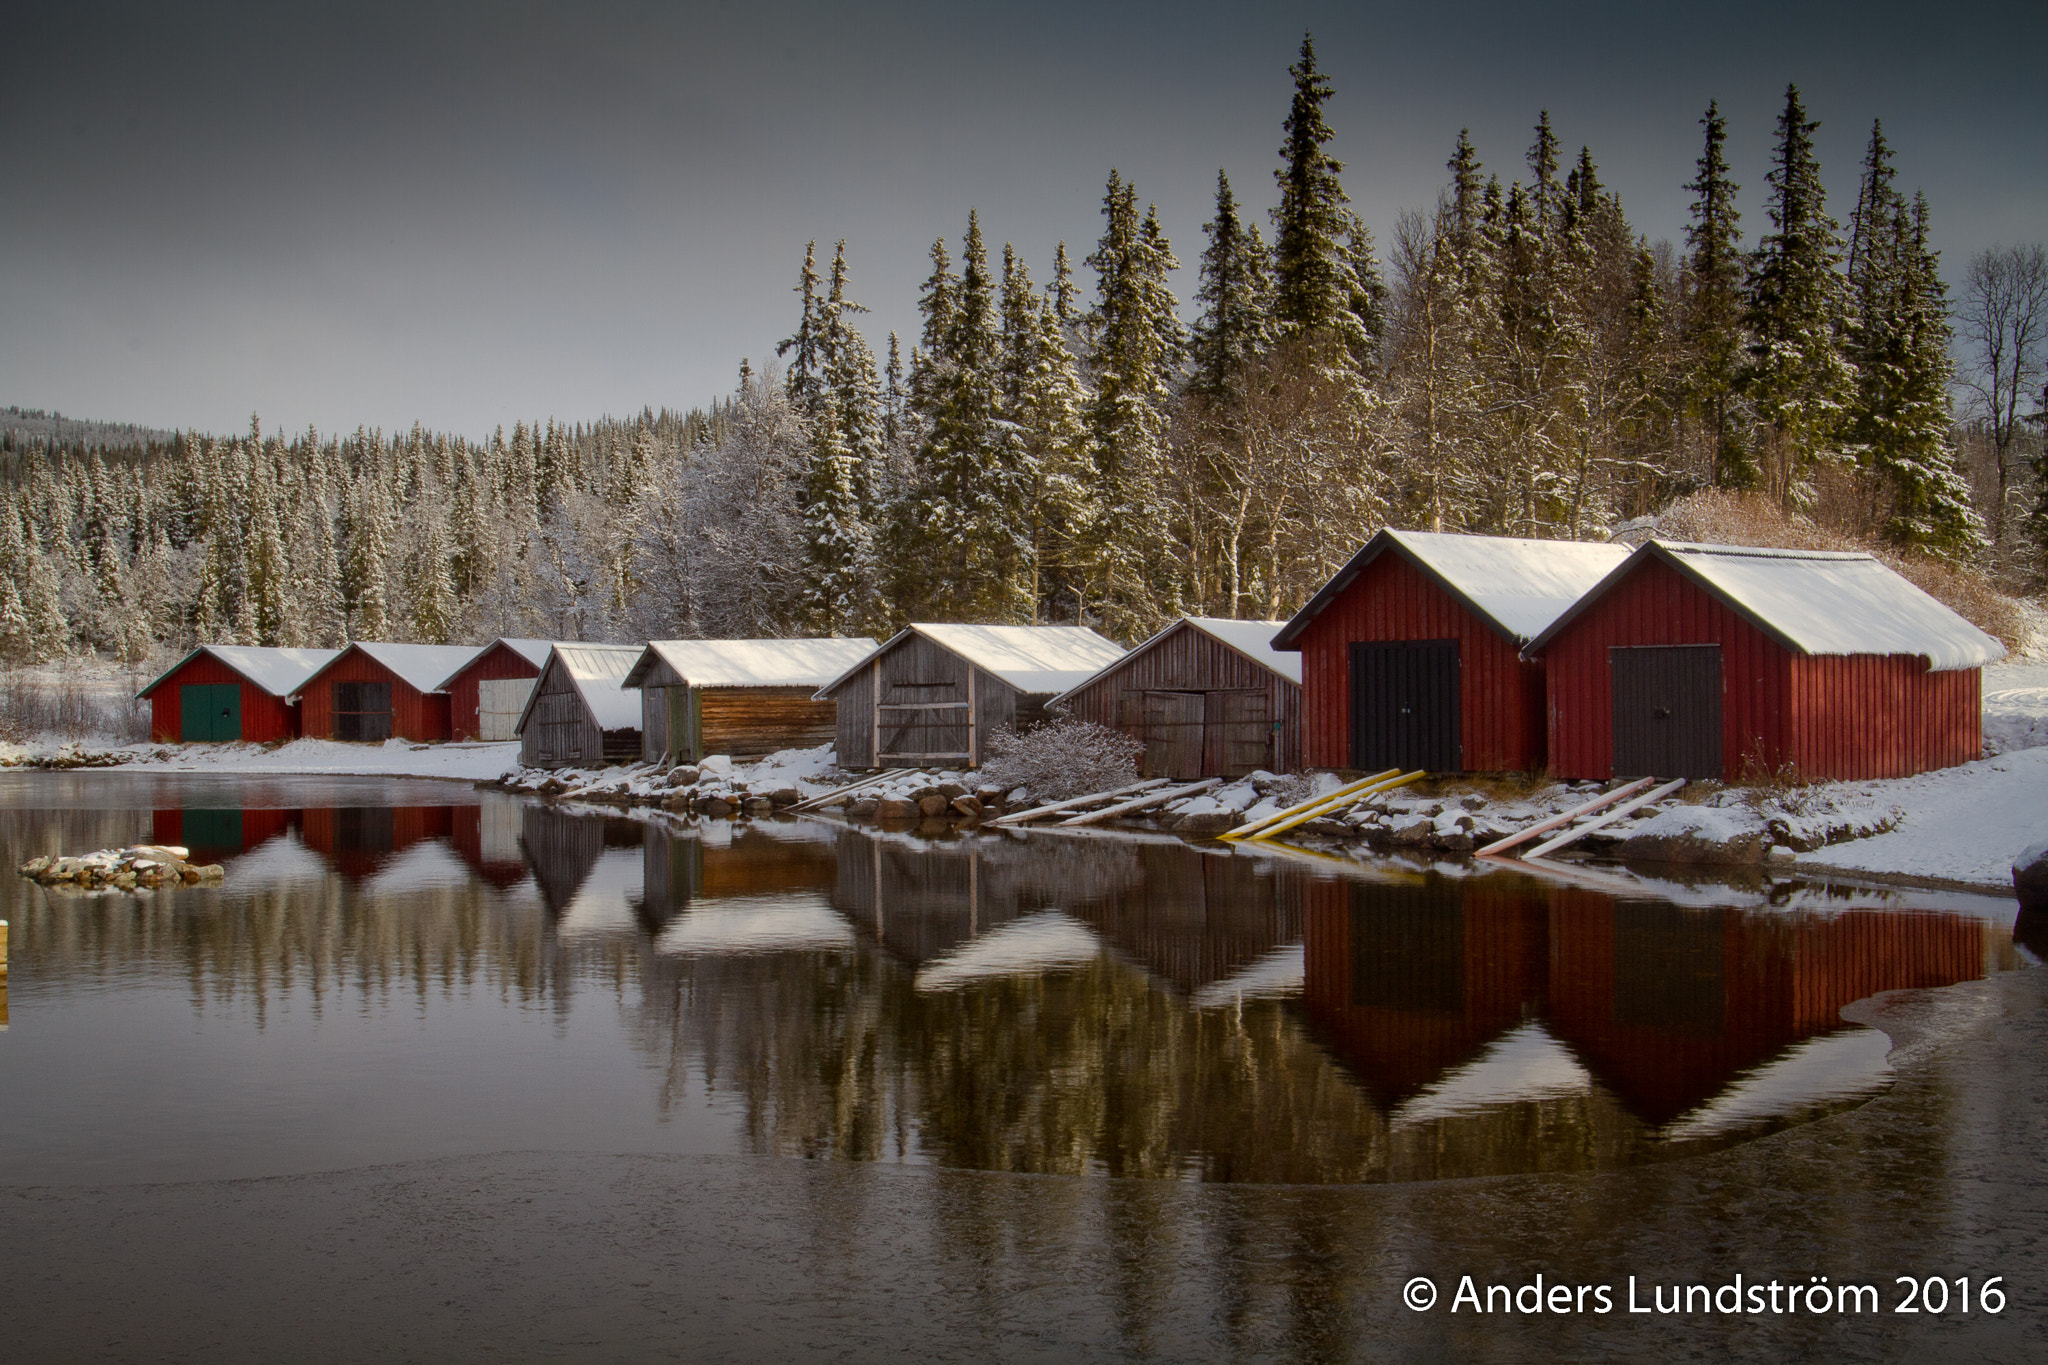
[1153, 799]
[1076, 802]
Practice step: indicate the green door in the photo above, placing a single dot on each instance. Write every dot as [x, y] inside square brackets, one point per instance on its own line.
[209, 711]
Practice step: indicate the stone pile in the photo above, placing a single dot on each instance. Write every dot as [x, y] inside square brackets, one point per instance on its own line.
[140, 866]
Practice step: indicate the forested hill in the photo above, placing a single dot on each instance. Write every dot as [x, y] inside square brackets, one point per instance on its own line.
[1520, 361]
[21, 428]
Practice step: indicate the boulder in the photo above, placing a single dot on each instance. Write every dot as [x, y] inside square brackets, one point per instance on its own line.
[934, 805]
[683, 776]
[921, 793]
[967, 806]
[1323, 827]
[989, 796]
[1733, 836]
[785, 796]
[862, 807]
[1206, 822]
[758, 805]
[896, 810]
[952, 791]
[715, 806]
[1412, 830]
[2030, 877]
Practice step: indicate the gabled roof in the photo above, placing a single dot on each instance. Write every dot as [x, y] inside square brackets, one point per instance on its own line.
[1253, 639]
[534, 652]
[278, 671]
[420, 667]
[1032, 659]
[1813, 602]
[597, 671]
[1516, 586]
[753, 663]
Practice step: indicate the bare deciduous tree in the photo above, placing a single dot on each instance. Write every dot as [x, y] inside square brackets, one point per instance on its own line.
[2004, 318]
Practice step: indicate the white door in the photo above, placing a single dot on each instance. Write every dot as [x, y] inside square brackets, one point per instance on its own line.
[499, 702]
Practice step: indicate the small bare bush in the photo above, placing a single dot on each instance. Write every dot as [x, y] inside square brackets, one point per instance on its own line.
[33, 707]
[1063, 758]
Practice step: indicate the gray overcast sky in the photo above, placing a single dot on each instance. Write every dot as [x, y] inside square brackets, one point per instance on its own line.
[466, 214]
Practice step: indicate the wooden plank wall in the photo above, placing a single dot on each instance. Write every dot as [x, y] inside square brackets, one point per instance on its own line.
[1186, 660]
[1871, 715]
[748, 722]
[854, 728]
[420, 717]
[559, 731]
[464, 704]
[265, 719]
[1500, 712]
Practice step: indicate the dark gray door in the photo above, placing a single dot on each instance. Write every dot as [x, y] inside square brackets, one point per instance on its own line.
[1667, 711]
[1404, 706]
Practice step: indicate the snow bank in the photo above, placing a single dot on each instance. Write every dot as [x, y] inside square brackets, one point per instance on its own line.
[393, 758]
[2015, 706]
[1963, 825]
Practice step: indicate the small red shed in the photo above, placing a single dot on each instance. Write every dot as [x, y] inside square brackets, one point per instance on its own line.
[1411, 656]
[486, 695]
[374, 691]
[231, 693]
[1207, 698]
[1716, 661]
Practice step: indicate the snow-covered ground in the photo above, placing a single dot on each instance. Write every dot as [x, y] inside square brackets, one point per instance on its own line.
[2016, 705]
[1963, 825]
[393, 758]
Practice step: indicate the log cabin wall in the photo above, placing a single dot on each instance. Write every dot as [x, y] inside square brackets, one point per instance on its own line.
[1187, 660]
[422, 717]
[749, 722]
[1500, 705]
[265, 718]
[465, 720]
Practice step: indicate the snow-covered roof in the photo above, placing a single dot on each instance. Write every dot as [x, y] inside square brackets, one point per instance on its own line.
[598, 672]
[421, 667]
[1032, 659]
[278, 671]
[1518, 586]
[1817, 602]
[1253, 639]
[1048, 941]
[753, 663]
[534, 652]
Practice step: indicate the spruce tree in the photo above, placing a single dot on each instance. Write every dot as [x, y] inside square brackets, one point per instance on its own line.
[804, 377]
[1797, 375]
[1710, 326]
[845, 457]
[1322, 257]
[1236, 296]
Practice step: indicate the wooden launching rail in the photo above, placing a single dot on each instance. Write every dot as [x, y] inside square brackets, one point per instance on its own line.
[1628, 807]
[1542, 827]
[1140, 803]
[1334, 804]
[870, 780]
[1313, 802]
[1025, 817]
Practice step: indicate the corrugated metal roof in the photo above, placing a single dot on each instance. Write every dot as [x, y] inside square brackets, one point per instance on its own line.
[1253, 639]
[1833, 602]
[598, 672]
[1520, 586]
[754, 663]
[1032, 659]
[278, 670]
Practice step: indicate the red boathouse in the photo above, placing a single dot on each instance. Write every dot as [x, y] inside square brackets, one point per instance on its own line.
[1720, 661]
[231, 693]
[486, 695]
[374, 691]
[1411, 656]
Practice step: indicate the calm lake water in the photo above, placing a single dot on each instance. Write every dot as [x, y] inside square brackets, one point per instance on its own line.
[399, 970]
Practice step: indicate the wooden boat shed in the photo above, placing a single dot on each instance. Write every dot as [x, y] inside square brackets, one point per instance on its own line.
[1411, 656]
[744, 698]
[486, 695]
[935, 693]
[231, 693]
[373, 691]
[1207, 697]
[1721, 661]
[580, 715]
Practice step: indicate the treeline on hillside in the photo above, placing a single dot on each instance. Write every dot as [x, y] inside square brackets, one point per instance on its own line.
[1523, 362]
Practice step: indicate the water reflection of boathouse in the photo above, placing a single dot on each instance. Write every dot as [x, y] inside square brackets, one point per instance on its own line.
[358, 840]
[216, 834]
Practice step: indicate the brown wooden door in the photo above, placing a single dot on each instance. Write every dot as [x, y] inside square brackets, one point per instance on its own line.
[1667, 711]
[1239, 735]
[1173, 734]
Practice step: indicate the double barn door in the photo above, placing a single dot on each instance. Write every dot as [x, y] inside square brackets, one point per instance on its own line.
[1404, 706]
[1667, 710]
[1207, 734]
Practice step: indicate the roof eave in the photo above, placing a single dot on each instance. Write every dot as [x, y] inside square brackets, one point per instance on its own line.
[1382, 539]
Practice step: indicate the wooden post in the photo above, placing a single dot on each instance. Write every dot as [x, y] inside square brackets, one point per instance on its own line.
[3, 947]
[875, 697]
[973, 723]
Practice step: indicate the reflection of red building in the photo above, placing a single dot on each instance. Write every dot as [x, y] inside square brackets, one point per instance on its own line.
[214, 834]
[1194, 918]
[487, 839]
[360, 839]
[1405, 982]
[1667, 1005]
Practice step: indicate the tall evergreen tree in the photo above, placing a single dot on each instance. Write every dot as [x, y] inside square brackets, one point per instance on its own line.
[1797, 375]
[1323, 269]
[1236, 296]
[1710, 326]
[805, 375]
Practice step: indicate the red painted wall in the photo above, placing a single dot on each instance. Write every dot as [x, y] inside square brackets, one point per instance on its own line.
[1500, 715]
[464, 701]
[167, 826]
[1852, 716]
[264, 718]
[420, 717]
[358, 848]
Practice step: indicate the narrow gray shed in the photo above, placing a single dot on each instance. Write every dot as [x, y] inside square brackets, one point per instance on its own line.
[579, 716]
[935, 693]
[745, 698]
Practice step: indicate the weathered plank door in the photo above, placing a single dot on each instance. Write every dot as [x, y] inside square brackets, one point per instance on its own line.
[1173, 734]
[1404, 705]
[498, 704]
[362, 711]
[1239, 735]
[1667, 710]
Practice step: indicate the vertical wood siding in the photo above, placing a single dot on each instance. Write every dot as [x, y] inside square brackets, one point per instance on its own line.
[465, 719]
[265, 718]
[918, 670]
[1851, 716]
[559, 731]
[422, 717]
[1186, 660]
[1500, 713]
[854, 728]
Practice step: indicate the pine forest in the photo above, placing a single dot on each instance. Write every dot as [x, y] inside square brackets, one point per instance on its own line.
[1516, 360]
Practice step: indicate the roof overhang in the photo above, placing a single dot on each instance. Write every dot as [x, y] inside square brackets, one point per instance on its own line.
[1383, 540]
